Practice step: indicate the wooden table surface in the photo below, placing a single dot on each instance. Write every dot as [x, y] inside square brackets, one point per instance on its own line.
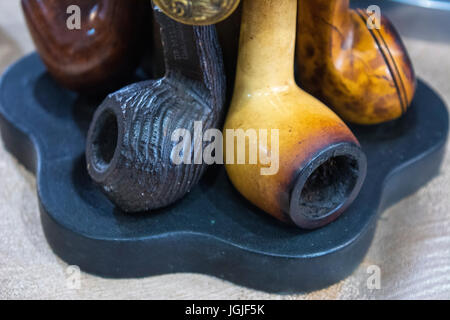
[411, 245]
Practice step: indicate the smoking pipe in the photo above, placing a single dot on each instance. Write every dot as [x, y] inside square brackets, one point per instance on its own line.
[362, 72]
[130, 146]
[198, 12]
[98, 56]
[321, 166]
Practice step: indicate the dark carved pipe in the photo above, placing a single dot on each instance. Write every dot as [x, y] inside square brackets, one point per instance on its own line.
[129, 146]
[100, 55]
[198, 12]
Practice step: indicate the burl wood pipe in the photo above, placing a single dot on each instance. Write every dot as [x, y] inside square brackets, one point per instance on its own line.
[364, 74]
[129, 145]
[102, 53]
[321, 166]
[198, 12]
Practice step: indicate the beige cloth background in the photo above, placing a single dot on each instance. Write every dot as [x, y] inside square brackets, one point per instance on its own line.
[411, 246]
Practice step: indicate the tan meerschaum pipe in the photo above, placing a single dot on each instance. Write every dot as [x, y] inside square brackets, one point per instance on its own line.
[320, 164]
[363, 73]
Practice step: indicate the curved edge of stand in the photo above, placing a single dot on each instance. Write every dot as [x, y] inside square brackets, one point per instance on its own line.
[202, 253]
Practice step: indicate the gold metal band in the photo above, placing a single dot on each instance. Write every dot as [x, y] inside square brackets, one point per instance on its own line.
[198, 12]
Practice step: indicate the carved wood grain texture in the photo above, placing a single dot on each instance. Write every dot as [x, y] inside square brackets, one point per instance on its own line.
[363, 74]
